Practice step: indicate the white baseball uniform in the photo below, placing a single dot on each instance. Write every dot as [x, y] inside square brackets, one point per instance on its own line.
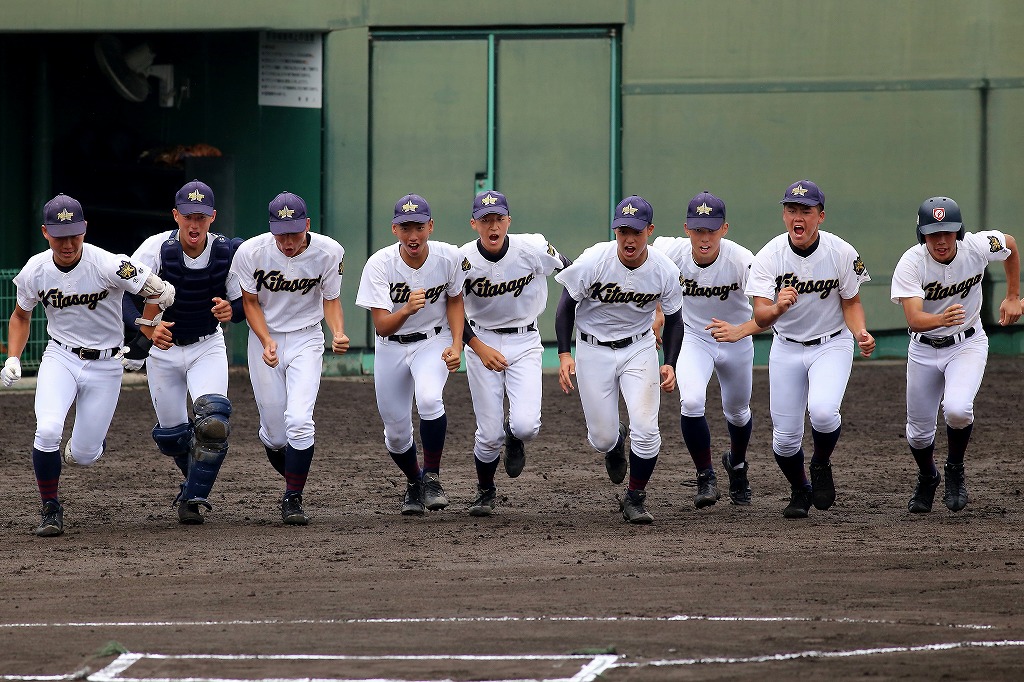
[950, 374]
[408, 364]
[812, 352]
[197, 369]
[616, 305]
[503, 299]
[713, 291]
[83, 320]
[291, 293]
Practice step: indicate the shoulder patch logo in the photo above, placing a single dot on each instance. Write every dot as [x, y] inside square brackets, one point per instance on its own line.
[466, 265]
[858, 265]
[127, 270]
[551, 251]
[682, 280]
[994, 244]
[341, 266]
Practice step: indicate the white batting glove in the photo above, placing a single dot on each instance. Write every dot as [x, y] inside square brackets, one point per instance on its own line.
[11, 371]
[132, 365]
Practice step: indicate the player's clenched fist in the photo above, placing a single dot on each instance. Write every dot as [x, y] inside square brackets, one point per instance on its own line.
[786, 299]
[866, 343]
[417, 300]
[221, 309]
[270, 354]
[11, 371]
[668, 378]
[1009, 311]
[340, 343]
[452, 358]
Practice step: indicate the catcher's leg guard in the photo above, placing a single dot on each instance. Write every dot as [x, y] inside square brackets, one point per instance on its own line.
[176, 442]
[211, 445]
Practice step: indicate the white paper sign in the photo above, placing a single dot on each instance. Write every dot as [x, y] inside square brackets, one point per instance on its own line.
[291, 69]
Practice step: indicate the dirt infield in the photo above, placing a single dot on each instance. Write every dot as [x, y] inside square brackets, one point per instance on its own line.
[863, 589]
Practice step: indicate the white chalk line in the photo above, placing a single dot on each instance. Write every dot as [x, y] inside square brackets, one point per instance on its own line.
[944, 646]
[589, 672]
[498, 619]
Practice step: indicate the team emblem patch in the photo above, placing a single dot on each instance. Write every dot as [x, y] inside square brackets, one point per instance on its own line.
[551, 251]
[858, 265]
[994, 245]
[466, 265]
[682, 280]
[127, 270]
[938, 213]
[341, 267]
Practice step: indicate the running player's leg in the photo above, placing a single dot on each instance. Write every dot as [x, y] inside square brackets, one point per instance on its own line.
[99, 387]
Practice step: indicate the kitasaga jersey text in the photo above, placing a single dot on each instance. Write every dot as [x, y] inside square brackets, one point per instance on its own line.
[616, 302]
[82, 305]
[832, 271]
[513, 291]
[309, 279]
[918, 275]
[387, 282]
[712, 291]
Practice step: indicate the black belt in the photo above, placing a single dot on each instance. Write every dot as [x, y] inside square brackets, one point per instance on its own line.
[189, 341]
[814, 342]
[943, 341]
[89, 353]
[532, 327]
[413, 338]
[618, 343]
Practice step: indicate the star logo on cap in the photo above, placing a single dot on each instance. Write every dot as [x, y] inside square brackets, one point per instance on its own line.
[488, 200]
[195, 195]
[286, 212]
[629, 209]
[409, 206]
[704, 209]
[65, 215]
[799, 191]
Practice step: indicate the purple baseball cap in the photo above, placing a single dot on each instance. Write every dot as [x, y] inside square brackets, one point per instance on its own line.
[633, 212]
[412, 208]
[63, 217]
[705, 212]
[194, 197]
[489, 202]
[287, 214]
[804, 192]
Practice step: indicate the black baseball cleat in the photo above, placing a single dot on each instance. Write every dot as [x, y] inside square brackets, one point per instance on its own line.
[53, 520]
[412, 504]
[616, 460]
[955, 498]
[924, 493]
[291, 510]
[434, 497]
[822, 486]
[739, 486]
[799, 504]
[633, 509]
[189, 514]
[483, 505]
[515, 453]
[707, 489]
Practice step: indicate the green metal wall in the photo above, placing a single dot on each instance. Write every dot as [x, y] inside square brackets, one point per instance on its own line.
[883, 102]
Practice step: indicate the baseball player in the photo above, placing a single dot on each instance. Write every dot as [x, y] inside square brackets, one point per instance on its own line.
[413, 290]
[938, 283]
[806, 286]
[80, 287]
[717, 339]
[611, 293]
[291, 282]
[505, 290]
[185, 350]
